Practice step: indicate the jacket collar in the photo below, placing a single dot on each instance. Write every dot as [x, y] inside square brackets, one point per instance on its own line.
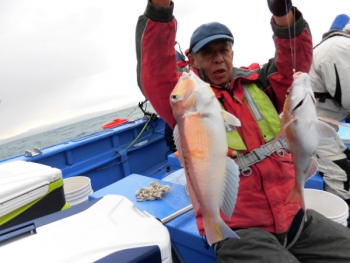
[333, 33]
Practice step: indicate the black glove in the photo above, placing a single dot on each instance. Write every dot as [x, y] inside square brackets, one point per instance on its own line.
[279, 7]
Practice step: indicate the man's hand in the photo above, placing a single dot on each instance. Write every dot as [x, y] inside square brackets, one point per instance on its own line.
[161, 3]
[281, 11]
[279, 7]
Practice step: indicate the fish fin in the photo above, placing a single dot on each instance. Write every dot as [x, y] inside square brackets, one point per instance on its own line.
[325, 130]
[230, 119]
[325, 119]
[193, 197]
[312, 169]
[177, 142]
[282, 131]
[218, 231]
[226, 231]
[296, 196]
[230, 191]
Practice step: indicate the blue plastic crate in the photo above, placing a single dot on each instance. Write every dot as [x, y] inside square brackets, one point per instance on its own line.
[183, 229]
[315, 182]
[174, 162]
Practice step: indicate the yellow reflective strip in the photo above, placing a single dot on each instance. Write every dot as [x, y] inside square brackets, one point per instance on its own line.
[54, 185]
[270, 123]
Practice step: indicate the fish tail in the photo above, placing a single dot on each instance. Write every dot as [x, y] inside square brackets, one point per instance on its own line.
[218, 232]
[296, 196]
[226, 231]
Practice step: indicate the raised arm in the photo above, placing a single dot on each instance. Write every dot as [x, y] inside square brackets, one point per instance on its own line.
[281, 12]
[333, 69]
[156, 58]
[293, 44]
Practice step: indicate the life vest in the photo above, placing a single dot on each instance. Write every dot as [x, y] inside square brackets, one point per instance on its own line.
[264, 113]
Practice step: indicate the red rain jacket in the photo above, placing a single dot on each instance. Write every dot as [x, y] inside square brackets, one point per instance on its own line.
[261, 196]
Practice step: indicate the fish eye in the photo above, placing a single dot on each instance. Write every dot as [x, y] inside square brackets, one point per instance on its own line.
[287, 93]
[173, 97]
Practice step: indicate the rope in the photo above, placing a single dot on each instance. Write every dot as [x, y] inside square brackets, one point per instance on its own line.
[132, 111]
[153, 192]
[138, 107]
[293, 54]
[138, 136]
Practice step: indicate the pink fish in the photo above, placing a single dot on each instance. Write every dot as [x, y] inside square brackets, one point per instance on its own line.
[302, 129]
[200, 137]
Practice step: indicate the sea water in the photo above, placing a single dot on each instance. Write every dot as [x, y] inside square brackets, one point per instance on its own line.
[67, 132]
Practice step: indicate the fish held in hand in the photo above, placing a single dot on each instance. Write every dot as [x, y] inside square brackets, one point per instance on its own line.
[200, 138]
[302, 130]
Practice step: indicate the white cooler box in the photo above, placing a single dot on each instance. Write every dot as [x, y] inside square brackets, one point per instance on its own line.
[29, 190]
[110, 229]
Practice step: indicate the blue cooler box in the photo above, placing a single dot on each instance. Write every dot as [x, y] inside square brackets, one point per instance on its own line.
[174, 162]
[110, 229]
[315, 182]
[188, 244]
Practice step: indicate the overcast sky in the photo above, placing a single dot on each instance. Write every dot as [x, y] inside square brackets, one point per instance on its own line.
[61, 59]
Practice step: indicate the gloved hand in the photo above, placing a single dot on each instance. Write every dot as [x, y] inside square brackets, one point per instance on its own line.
[279, 7]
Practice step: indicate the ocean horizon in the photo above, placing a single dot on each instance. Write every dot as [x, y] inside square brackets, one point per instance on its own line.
[67, 132]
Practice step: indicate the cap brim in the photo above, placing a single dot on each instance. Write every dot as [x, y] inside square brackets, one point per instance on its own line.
[207, 40]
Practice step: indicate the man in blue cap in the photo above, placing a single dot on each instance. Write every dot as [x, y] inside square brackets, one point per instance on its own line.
[330, 78]
[270, 229]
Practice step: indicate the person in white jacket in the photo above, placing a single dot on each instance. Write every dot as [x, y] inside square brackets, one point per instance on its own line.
[330, 78]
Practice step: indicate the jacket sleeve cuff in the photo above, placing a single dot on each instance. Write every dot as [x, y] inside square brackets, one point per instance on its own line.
[159, 14]
[292, 31]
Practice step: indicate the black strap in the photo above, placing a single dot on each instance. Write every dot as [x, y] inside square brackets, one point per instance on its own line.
[323, 96]
[338, 92]
[293, 230]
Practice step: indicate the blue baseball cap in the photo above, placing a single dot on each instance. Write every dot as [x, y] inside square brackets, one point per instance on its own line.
[207, 33]
[340, 22]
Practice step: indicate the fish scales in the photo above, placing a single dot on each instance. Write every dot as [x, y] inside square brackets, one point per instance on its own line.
[198, 154]
[200, 137]
[302, 129]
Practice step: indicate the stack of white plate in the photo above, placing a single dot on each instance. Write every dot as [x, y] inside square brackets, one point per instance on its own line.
[77, 189]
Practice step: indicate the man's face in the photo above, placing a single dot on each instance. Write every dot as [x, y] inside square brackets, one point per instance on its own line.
[215, 59]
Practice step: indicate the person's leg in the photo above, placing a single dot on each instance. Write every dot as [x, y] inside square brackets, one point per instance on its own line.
[334, 166]
[254, 245]
[335, 177]
[347, 153]
[322, 240]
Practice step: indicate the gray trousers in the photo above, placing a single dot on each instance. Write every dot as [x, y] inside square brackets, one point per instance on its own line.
[320, 241]
[334, 176]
